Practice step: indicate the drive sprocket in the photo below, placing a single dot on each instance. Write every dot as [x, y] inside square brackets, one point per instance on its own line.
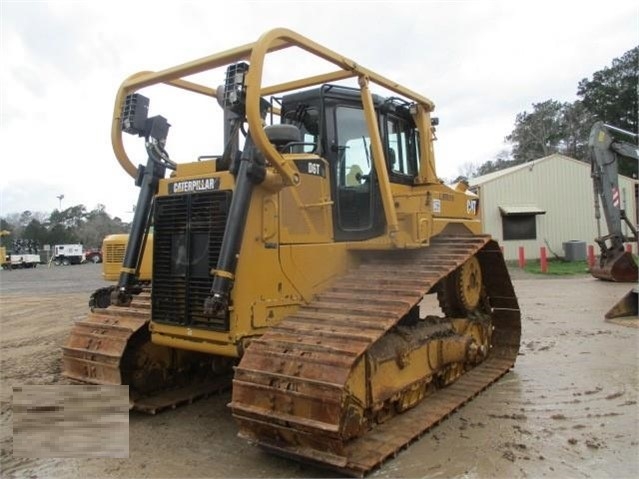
[462, 291]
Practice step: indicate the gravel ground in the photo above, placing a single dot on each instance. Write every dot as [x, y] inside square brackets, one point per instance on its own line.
[567, 409]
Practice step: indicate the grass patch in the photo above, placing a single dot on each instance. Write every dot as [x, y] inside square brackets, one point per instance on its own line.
[558, 267]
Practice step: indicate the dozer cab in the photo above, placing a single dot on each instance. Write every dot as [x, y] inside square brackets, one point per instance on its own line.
[298, 258]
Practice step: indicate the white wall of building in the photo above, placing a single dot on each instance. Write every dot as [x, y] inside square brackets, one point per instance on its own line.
[560, 186]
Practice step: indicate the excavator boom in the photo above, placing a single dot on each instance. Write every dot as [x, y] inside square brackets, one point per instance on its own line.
[615, 263]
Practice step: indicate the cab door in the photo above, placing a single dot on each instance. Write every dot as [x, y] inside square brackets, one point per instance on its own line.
[357, 208]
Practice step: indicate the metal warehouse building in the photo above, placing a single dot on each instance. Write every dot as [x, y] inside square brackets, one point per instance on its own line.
[545, 202]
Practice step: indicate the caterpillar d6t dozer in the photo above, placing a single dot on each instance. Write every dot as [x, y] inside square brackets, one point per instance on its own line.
[298, 258]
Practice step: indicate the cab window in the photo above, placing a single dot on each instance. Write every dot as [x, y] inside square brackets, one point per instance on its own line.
[403, 148]
[354, 165]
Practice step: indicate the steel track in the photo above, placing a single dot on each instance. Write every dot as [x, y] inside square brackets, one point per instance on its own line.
[289, 389]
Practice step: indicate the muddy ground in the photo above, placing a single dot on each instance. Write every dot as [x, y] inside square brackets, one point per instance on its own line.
[568, 409]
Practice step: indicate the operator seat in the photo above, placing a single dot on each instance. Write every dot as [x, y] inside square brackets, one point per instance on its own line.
[282, 135]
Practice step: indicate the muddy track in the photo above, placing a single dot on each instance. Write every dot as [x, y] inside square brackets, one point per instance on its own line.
[568, 409]
[96, 345]
[291, 385]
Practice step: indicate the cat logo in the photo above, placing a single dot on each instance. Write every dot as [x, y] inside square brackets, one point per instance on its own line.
[194, 186]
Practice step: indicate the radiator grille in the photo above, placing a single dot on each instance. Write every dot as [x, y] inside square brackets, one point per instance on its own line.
[188, 232]
[115, 253]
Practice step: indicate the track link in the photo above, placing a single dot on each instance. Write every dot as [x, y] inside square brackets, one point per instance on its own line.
[102, 350]
[96, 346]
[290, 389]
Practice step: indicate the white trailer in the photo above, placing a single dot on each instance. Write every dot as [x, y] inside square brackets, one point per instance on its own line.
[66, 254]
[16, 261]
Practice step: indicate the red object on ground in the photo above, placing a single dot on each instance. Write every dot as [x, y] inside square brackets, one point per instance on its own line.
[543, 260]
[591, 255]
[522, 257]
[629, 247]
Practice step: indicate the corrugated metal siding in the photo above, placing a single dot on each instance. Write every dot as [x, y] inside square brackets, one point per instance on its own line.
[559, 185]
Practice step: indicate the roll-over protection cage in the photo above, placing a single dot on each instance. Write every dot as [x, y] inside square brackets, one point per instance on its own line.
[255, 54]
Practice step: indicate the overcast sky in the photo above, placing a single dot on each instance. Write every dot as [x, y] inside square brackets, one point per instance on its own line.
[481, 62]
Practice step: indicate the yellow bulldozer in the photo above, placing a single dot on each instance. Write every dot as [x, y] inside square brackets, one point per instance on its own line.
[4, 262]
[293, 266]
[114, 247]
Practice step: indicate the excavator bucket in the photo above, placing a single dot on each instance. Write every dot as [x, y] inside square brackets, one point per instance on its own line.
[626, 307]
[622, 269]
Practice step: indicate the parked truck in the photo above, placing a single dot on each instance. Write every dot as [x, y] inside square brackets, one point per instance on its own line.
[66, 254]
[18, 261]
[23, 254]
[93, 255]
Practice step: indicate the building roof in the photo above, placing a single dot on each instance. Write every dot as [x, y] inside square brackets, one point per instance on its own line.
[480, 180]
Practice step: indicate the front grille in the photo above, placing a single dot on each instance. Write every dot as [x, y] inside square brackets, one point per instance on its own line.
[187, 236]
[115, 253]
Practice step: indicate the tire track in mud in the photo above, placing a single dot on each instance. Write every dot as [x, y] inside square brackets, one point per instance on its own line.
[571, 395]
[583, 405]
